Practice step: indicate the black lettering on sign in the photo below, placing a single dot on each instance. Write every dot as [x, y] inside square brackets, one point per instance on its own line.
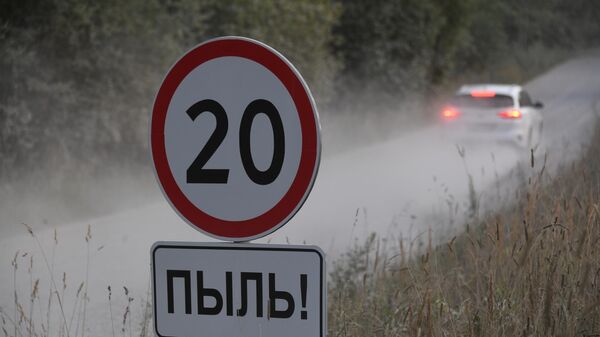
[229, 292]
[171, 274]
[207, 292]
[275, 295]
[284, 300]
[303, 313]
[257, 278]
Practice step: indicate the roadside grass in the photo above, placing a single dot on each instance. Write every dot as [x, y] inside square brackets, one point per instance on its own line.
[57, 307]
[531, 268]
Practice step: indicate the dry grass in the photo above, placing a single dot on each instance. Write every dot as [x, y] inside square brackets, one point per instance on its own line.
[532, 269]
[40, 310]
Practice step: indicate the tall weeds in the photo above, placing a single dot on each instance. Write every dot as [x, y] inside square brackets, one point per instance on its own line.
[529, 269]
[64, 313]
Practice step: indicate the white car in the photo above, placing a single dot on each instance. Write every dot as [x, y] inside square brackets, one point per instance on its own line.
[493, 112]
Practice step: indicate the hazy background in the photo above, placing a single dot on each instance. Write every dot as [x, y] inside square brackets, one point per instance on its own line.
[77, 84]
[78, 77]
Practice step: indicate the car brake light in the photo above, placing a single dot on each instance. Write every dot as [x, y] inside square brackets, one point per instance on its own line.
[483, 94]
[449, 113]
[510, 114]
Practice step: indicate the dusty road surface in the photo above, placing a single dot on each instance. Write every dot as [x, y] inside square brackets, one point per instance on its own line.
[399, 188]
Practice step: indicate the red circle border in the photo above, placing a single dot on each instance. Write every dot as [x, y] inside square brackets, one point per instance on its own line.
[302, 183]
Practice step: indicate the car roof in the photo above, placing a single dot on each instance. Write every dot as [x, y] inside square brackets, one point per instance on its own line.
[502, 89]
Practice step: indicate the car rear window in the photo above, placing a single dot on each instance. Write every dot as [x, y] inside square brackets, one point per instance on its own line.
[468, 101]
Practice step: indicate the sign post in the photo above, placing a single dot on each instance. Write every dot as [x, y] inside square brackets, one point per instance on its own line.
[235, 142]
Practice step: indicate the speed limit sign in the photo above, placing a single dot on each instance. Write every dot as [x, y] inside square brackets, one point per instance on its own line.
[235, 138]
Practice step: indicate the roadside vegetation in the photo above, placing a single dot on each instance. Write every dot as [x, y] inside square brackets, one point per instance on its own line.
[78, 77]
[531, 268]
[49, 302]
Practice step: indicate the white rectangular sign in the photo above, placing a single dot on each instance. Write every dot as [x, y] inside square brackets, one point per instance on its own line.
[231, 290]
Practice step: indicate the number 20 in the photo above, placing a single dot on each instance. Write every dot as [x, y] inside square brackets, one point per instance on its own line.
[197, 174]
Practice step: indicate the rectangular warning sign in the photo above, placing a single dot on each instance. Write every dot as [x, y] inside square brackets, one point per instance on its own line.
[229, 290]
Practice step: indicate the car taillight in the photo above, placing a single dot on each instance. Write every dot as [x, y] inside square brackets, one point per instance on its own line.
[483, 94]
[449, 113]
[510, 114]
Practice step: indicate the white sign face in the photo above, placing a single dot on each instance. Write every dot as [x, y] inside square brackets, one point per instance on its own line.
[241, 82]
[235, 139]
[229, 290]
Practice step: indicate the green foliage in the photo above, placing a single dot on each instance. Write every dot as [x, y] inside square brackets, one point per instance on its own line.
[384, 45]
[300, 29]
[77, 77]
[390, 49]
[394, 48]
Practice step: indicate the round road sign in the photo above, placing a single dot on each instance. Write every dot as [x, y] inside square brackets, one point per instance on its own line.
[235, 138]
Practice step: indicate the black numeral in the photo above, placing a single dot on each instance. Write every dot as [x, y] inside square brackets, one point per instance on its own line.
[197, 174]
[269, 175]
